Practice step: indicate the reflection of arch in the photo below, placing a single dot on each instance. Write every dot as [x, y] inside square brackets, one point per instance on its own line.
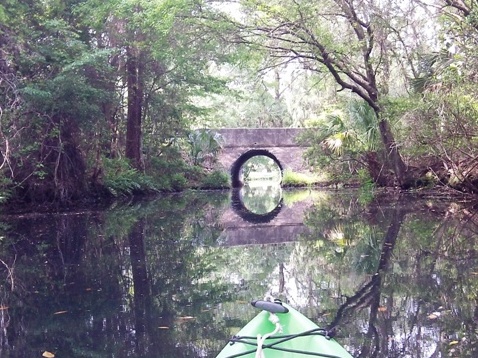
[247, 215]
[236, 167]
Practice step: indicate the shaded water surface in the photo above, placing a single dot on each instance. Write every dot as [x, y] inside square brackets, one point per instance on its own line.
[397, 276]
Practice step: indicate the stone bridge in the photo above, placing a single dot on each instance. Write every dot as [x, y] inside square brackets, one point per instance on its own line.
[279, 144]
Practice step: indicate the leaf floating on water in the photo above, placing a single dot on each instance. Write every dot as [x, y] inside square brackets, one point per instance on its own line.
[434, 315]
[452, 343]
[185, 318]
[60, 312]
[47, 354]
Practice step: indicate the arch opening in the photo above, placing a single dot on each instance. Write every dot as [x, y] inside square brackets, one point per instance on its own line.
[236, 168]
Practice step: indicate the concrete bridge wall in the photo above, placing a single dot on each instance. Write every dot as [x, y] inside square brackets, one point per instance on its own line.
[281, 143]
[260, 137]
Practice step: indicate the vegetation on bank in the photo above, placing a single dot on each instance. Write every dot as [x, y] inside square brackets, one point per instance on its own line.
[103, 99]
[291, 179]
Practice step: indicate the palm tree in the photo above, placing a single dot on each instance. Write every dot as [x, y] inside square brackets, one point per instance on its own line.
[204, 144]
[352, 136]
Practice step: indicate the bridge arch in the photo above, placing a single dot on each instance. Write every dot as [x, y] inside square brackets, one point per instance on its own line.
[237, 165]
[282, 145]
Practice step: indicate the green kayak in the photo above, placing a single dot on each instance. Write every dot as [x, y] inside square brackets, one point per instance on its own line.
[280, 331]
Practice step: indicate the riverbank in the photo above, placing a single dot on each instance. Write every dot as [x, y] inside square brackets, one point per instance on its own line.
[102, 202]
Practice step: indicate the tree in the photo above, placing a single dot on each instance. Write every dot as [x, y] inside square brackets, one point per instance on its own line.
[135, 84]
[350, 40]
[50, 100]
[87, 79]
[346, 141]
[163, 53]
[441, 125]
[204, 145]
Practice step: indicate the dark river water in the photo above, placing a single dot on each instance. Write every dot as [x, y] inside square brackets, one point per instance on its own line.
[395, 274]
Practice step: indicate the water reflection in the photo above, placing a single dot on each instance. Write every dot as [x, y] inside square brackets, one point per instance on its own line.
[259, 204]
[397, 277]
[261, 199]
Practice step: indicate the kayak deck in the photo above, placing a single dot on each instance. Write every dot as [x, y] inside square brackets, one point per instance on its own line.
[300, 337]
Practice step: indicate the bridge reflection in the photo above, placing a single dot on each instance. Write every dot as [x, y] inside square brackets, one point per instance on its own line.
[283, 223]
[241, 209]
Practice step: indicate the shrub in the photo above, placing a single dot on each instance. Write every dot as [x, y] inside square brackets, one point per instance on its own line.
[215, 180]
[291, 178]
[365, 179]
[121, 179]
[178, 182]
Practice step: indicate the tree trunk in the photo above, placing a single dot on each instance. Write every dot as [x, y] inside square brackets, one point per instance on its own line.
[376, 169]
[135, 106]
[393, 154]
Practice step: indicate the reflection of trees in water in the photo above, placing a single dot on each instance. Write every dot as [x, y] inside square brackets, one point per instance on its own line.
[369, 295]
[142, 281]
[114, 282]
[261, 199]
[413, 277]
[391, 267]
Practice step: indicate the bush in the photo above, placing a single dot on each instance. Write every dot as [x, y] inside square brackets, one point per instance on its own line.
[291, 178]
[365, 179]
[178, 182]
[215, 180]
[121, 179]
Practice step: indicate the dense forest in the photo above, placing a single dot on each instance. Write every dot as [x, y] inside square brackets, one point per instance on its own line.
[117, 97]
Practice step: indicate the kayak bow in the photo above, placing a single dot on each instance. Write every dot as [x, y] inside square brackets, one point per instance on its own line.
[280, 331]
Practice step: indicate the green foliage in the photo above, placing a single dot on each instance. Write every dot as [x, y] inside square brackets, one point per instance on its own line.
[215, 180]
[178, 182]
[121, 179]
[431, 66]
[5, 189]
[339, 138]
[291, 178]
[169, 171]
[364, 178]
[438, 133]
[347, 129]
[63, 77]
[67, 63]
[367, 186]
[204, 145]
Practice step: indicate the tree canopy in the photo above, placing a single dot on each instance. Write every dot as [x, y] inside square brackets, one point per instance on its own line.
[87, 85]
